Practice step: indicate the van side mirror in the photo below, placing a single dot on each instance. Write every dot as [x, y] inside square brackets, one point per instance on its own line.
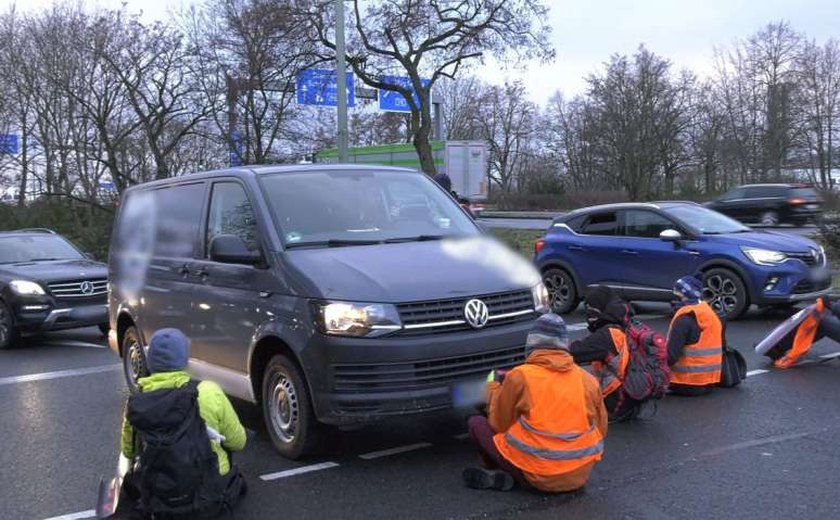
[231, 249]
[671, 235]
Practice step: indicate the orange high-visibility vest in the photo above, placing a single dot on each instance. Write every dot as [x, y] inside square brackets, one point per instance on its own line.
[555, 437]
[700, 363]
[610, 375]
[804, 338]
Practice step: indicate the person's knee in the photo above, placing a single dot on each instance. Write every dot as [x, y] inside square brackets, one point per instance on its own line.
[477, 423]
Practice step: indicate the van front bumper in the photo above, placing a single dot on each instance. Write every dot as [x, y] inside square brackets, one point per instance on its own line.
[360, 380]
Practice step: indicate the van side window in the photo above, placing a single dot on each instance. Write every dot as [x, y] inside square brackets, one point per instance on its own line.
[601, 224]
[231, 213]
[178, 217]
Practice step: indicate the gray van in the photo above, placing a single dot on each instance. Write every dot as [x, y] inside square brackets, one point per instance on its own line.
[329, 294]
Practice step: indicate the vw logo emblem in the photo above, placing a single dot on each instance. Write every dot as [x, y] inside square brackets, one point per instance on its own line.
[476, 313]
[86, 288]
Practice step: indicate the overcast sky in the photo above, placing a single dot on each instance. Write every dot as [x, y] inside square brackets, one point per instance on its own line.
[587, 32]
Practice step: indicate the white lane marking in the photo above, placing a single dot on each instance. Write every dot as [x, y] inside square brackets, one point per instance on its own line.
[58, 374]
[757, 371]
[461, 436]
[53, 343]
[394, 451]
[90, 513]
[298, 471]
[833, 355]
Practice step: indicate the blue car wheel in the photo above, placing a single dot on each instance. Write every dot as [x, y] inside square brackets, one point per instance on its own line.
[563, 295]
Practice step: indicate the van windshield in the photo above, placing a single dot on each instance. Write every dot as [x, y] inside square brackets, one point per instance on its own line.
[362, 207]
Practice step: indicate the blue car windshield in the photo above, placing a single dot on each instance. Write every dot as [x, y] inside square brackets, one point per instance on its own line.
[346, 207]
[705, 220]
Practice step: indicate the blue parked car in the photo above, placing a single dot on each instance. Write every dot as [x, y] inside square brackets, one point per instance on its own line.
[641, 249]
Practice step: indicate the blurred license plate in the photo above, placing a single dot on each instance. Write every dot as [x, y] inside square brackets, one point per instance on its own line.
[468, 393]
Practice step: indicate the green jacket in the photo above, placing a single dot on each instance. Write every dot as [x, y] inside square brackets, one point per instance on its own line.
[213, 406]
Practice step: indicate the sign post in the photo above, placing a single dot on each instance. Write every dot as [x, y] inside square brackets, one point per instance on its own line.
[341, 65]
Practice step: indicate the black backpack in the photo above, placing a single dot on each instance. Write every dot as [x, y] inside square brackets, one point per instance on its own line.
[178, 473]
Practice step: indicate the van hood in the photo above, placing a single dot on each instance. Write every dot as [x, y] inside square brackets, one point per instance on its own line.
[773, 240]
[413, 271]
[55, 270]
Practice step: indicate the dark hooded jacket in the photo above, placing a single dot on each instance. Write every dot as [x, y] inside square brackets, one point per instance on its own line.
[599, 345]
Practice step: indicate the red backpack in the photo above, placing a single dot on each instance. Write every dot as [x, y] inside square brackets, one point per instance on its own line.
[648, 374]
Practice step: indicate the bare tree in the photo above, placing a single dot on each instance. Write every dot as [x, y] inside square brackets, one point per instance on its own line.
[430, 40]
[461, 98]
[250, 52]
[508, 122]
[818, 77]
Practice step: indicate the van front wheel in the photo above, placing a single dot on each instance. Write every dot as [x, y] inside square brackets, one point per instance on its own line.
[287, 409]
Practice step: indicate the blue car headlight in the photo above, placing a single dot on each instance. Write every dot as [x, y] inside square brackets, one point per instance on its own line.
[764, 256]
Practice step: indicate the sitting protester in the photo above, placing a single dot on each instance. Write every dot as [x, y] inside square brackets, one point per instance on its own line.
[606, 349]
[695, 341]
[179, 433]
[821, 322]
[546, 420]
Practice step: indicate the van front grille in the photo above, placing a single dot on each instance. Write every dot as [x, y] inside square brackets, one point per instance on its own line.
[383, 377]
[448, 315]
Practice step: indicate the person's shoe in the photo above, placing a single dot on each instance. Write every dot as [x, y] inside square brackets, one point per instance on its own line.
[480, 478]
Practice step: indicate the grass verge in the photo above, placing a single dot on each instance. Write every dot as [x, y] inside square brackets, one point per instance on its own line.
[520, 240]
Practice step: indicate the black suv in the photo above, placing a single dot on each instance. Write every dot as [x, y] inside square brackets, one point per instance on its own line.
[46, 283]
[770, 204]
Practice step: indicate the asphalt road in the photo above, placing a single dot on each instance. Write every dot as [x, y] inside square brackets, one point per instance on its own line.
[525, 223]
[764, 450]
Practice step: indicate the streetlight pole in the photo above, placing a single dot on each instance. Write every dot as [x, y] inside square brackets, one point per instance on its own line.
[341, 76]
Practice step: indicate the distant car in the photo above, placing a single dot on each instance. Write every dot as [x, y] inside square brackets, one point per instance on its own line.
[641, 249]
[770, 204]
[46, 283]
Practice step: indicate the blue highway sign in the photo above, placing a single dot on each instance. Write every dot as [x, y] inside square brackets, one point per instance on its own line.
[319, 87]
[392, 101]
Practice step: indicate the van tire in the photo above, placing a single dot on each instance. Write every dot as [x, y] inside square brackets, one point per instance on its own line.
[287, 409]
[134, 358]
[556, 279]
[724, 290]
[9, 334]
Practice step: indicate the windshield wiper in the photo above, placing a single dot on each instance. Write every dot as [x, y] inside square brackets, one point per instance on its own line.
[333, 242]
[42, 260]
[418, 238]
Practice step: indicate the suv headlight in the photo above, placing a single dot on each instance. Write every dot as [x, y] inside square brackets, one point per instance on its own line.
[764, 256]
[26, 288]
[356, 319]
[541, 299]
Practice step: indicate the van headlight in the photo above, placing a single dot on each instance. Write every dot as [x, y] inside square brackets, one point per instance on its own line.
[764, 256]
[26, 288]
[541, 299]
[357, 319]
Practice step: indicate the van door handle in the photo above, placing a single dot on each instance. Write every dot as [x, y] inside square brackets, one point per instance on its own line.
[629, 252]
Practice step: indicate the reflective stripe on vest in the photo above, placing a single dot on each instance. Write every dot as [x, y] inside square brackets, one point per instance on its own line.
[700, 363]
[597, 449]
[555, 437]
[611, 375]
